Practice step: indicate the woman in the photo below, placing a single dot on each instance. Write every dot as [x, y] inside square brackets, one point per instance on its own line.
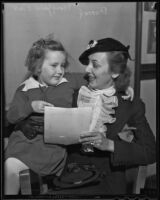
[107, 73]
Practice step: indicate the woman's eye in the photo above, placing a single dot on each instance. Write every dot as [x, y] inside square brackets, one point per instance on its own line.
[95, 65]
[63, 65]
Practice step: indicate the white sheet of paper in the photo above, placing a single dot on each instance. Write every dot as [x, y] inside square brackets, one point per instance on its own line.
[64, 125]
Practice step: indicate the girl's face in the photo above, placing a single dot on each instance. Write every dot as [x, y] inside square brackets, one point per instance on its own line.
[52, 69]
[98, 71]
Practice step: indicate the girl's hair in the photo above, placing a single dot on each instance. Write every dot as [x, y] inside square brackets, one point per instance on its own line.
[36, 54]
[118, 65]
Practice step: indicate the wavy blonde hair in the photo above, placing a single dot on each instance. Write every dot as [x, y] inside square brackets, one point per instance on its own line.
[36, 54]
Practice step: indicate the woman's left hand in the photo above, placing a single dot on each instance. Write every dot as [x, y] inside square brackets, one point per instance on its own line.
[98, 140]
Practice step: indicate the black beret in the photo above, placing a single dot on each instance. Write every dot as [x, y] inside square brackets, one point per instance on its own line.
[103, 45]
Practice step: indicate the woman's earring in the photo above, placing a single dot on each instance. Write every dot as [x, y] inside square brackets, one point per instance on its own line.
[115, 75]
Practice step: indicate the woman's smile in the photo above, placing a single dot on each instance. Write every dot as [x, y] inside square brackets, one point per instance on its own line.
[91, 77]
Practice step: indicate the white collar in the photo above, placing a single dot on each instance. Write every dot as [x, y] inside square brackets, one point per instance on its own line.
[31, 83]
[108, 91]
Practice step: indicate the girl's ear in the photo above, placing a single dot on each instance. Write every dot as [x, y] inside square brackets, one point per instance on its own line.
[39, 71]
[115, 75]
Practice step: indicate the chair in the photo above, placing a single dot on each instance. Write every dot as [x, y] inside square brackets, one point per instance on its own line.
[150, 187]
[136, 179]
[32, 184]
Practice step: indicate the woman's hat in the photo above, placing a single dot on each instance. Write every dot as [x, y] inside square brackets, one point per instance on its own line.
[103, 45]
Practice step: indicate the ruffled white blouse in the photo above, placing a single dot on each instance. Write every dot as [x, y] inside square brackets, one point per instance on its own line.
[103, 103]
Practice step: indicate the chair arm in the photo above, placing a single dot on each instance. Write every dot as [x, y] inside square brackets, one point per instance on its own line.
[30, 182]
[140, 180]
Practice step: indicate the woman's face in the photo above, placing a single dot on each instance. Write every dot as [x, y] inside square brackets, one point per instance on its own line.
[52, 69]
[98, 71]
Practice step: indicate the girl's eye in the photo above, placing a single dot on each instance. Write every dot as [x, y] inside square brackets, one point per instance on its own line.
[54, 65]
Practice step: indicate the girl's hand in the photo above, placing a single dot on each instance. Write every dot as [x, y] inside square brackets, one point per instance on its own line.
[127, 133]
[38, 106]
[98, 140]
[129, 94]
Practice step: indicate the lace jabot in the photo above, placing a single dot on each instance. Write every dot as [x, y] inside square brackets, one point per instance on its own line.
[103, 103]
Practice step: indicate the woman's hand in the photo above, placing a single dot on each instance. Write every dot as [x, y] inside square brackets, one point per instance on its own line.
[38, 106]
[98, 140]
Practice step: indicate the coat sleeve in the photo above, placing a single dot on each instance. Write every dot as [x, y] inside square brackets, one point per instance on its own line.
[142, 150]
[20, 107]
[76, 79]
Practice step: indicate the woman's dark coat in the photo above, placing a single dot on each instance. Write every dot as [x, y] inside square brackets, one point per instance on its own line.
[112, 166]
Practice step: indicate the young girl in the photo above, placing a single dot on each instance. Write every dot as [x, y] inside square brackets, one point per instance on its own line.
[47, 86]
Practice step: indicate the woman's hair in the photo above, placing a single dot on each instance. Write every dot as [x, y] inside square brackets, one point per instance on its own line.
[36, 54]
[118, 65]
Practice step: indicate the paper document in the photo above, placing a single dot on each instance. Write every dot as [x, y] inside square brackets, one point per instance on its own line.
[64, 125]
